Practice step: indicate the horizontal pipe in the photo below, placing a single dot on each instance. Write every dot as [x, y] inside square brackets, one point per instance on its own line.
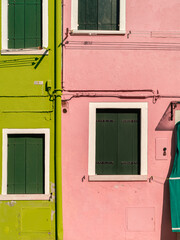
[100, 90]
[116, 96]
[25, 96]
[155, 96]
[28, 111]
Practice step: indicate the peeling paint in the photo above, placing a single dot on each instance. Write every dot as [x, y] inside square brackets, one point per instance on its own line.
[11, 204]
[52, 198]
[52, 214]
[52, 187]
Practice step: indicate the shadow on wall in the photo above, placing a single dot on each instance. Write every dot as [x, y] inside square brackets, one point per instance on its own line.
[19, 62]
[22, 62]
[166, 232]
[167, 121]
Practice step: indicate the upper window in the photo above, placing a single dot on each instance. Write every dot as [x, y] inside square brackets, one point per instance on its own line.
[118, 141]
[98, 16]
[24, 24]
[25, 162]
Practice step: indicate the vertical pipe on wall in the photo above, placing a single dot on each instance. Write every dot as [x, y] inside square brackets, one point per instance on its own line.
[57, 75]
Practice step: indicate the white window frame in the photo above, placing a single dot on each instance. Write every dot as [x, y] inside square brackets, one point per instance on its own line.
[143, 106]
[74, 21]
[4, 195]
[4, 32]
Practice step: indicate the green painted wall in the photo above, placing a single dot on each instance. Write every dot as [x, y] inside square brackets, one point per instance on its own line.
[30, 107]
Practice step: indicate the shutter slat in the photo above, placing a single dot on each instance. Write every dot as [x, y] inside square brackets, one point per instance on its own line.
[19, 166]
[82, 14]
[104, 15]
[10, 167]
[128, 142]
[33, 24]
[87, 14]
[19, 26]
[35, 164]
[106, 142]
[11, 31]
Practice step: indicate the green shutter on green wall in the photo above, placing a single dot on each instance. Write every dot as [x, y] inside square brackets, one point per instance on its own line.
[98, 14]
[117, 141]
[24, 23]
[25, 164]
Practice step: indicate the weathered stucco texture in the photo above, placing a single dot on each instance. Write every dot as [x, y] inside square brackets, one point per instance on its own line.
[147, 58]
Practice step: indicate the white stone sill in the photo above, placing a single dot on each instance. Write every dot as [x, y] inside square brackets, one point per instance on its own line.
[118, 178]
[24, 52]
[24, 197]
[97, 32]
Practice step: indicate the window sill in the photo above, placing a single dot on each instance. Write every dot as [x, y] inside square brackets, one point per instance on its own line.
[97, 32]
[115, 178]
[25, 197]
[24, 52]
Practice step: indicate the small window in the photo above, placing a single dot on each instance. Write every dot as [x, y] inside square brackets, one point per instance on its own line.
[118, 141]
[24, 24]
[101, 17]
[25, 162]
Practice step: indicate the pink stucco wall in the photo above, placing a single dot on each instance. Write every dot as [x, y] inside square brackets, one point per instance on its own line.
[148, 59]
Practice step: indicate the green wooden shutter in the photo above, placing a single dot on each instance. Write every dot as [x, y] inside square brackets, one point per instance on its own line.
[106, 142]
[35, 164]
[117, 142]
[25, 164]
[16, 165]
[87, 14]
[98, 14]
[24, 23]
[129, 142]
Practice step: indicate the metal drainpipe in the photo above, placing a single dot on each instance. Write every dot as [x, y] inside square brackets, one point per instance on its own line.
[57, 80]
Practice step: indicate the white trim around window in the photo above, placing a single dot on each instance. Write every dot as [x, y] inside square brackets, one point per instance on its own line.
[143, 106]
[74, 21]
[4, 32]
[6, 196]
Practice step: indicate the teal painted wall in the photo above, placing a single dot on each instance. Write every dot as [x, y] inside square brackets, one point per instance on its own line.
[28, 108]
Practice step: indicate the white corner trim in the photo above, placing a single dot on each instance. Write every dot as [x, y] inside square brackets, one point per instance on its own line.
[24, 197]
[74, 20]
[92, 139]
[4, 163]
[4, 31]
[5, 134]
[45, 23]
[74, 15]
[4, 24]
[143, 106]
[144, 139]
[122, 17]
